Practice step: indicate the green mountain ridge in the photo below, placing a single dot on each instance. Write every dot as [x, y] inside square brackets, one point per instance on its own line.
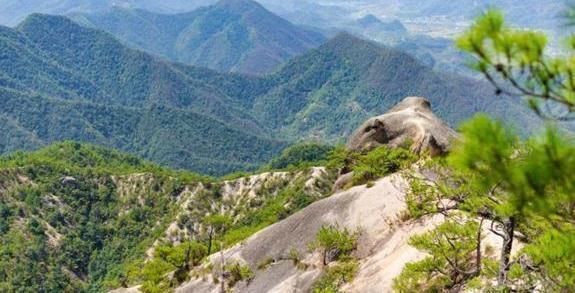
[63, 81]
[347, 80]
[78, 218]
[239, 35]
[168, 136]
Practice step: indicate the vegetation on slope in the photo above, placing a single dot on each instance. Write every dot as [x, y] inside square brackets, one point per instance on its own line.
[301, 155]
[370, 166]
[68, 220]
[522, 190]
[65, 81]
[80, 217]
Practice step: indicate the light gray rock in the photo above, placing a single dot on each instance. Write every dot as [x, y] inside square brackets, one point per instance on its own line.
[68, 180]
[374, 212]
[409, 122]
[342, 181]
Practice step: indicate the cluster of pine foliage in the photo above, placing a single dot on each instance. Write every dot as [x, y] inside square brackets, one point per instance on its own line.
[336, 246]
[520, 190]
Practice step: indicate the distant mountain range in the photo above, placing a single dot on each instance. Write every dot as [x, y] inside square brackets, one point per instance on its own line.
[60, 80]
[243, 36]
[324, 13]
[63, 81]
[435, 13]
[232, 35]
[13, 12]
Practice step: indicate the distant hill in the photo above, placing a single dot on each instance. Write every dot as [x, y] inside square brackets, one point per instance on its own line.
[372, 22]
[62, 81]
[13, 12]
[232, 35]
[329, 91]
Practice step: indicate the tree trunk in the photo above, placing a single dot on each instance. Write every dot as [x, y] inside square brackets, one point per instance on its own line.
[478, 256]
[210, 238]
[223, 265]
[509, 230]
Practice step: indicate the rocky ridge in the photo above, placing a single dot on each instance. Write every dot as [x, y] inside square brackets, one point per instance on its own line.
[376, 211]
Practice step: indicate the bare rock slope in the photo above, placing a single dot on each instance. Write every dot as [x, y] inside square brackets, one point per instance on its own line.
[382, 249]
[411, 121]
[375, 212]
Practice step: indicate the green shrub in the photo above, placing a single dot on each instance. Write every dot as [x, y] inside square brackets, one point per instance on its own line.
[301, 155]
[154, 275]
[341, 158]
[336, 276]
[334, 243]
[168, 258]
[379, 163]
[453, 243]
[188, 253]
[238, 272]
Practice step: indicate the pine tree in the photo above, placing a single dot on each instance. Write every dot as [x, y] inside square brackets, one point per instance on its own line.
[524, 188]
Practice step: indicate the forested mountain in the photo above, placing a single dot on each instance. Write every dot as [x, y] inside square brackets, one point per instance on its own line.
[242, 36]
[430, 26]
[60, 81]
[69, 215]
[81, 218]
[329, 91]
[232, 35]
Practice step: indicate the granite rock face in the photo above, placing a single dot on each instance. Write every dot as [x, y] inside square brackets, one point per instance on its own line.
[409, 122]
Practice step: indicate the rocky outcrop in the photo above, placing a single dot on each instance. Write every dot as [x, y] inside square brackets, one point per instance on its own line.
[383, 248]
[409, 122]
[372, 211]
[238, 197]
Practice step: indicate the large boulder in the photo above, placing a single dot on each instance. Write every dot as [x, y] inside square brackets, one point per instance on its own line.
[409, 122]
